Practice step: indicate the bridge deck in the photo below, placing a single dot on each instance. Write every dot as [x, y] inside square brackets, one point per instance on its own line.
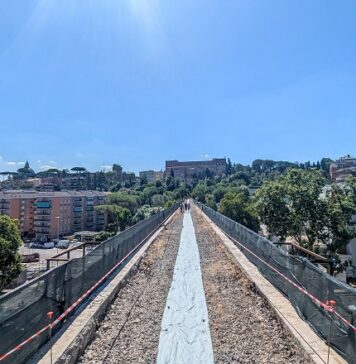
[243, 328]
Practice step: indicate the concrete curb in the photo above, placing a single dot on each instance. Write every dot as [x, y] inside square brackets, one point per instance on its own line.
[73, 341]
[307, 339]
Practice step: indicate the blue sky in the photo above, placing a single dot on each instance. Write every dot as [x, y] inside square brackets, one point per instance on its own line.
[136, 82]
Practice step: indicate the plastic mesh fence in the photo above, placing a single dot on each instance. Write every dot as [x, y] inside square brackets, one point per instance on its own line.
[321, 285]
[23, 311]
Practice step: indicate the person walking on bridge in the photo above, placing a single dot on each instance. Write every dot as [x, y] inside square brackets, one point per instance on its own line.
[187, 206]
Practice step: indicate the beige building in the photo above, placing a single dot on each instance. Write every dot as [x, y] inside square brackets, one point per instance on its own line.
[343, 168]
[42, 215]
[195, 170]
[152, 176]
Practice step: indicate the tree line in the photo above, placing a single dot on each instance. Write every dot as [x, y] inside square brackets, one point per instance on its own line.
[286, 200]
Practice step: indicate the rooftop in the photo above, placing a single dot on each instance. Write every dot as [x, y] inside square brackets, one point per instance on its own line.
[36, 194]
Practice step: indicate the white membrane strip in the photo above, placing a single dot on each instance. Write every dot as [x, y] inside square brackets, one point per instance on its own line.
[185, 334]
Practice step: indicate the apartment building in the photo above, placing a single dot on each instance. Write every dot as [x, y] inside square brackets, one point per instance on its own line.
[42, 215]
[152, 176]
[194, 170]
[343, 168]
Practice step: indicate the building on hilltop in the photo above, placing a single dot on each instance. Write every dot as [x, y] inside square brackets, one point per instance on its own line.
[191, 171]
[342, 168]
[122, 176]
[117, 170]
[152, 176]
[26, 171]
[44, 215]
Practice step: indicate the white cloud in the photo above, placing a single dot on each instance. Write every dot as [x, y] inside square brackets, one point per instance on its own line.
[206, 156]
[11, 163]
[39, 161]
[52, 162]
[0, 157]
[45, 167]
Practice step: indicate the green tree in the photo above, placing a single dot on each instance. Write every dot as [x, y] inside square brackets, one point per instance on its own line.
[307, 211]
[210, 202]
[143, 180]
[78, 170]
[123, 199]
[292, 206]
[271, 206]
[171, 182]
[341, 205]
[10, 260]
[183, 191]
[119, 217]
[199, 191]
[157, 200]
[168, 204]
[228, 167]
[123, 217]
[238, 207]
[218, 193]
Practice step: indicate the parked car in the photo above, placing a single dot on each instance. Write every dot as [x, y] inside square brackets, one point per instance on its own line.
[37, 245]
[49, 245]
[42, 245]
[63, 244]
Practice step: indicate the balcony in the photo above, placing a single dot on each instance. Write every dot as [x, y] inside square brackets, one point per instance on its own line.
[41, 230]
[43, 204]
[42, 217]
[42, 212]
[42, 223]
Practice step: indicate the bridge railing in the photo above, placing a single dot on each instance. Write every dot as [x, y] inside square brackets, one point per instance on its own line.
[286, 272]
[23, 311]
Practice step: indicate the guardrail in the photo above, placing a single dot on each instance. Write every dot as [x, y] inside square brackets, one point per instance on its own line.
[309, 289]
[23, 312]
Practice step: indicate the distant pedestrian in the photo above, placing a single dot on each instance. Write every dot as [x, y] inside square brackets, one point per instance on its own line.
[185, 206]
[188, 206]
[182, 207]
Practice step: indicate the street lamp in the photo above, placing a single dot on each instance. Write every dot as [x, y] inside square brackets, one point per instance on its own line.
[58, 218]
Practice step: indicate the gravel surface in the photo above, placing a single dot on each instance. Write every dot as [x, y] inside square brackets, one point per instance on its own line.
[242, 326]
[130, 331]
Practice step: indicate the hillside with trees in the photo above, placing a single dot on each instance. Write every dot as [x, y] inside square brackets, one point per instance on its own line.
[288, 199]
[10, 260]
